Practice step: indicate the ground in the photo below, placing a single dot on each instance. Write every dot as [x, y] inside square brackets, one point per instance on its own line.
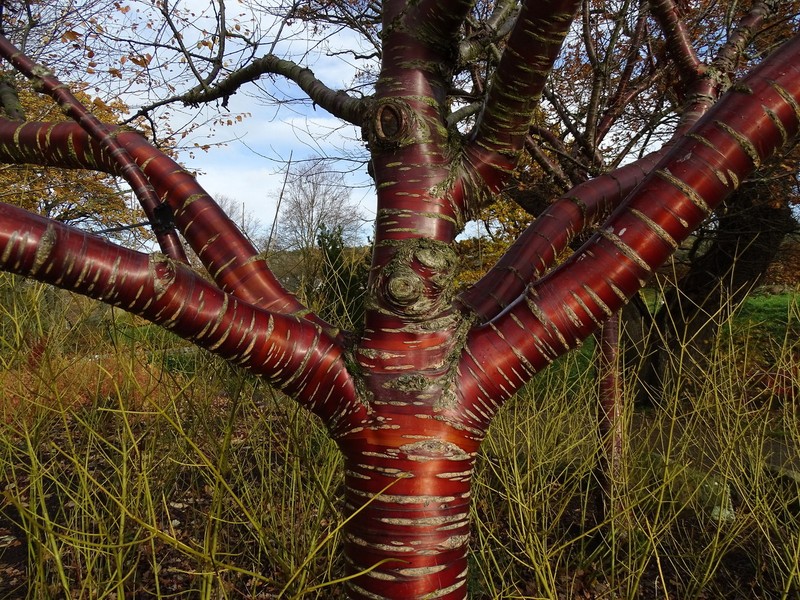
[742, 573]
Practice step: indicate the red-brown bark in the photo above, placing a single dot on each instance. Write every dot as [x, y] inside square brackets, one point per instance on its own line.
[226, 253]
[410, 398]
[563, 308]
[293, 354]
[611, 408]
[418, 489]
[165, 235]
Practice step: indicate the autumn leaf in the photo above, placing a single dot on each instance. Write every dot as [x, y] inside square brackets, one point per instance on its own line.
[70, 36]
[141, 60]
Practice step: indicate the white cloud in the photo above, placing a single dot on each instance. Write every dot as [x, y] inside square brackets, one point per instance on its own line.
[250, 167]
[254, 187]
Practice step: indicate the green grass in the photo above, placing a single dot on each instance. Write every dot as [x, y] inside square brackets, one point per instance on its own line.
[774, 315]
[128, 473]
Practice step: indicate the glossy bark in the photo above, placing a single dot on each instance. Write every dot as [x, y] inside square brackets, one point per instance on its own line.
[409, 480]
[410, 397]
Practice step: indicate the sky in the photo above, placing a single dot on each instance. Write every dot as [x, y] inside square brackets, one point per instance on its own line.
[246, 162]
[250, 166]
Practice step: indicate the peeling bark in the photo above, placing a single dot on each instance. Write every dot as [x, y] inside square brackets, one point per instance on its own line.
[410, 400]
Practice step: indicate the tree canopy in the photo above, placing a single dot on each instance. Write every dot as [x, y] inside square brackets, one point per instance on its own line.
[91, 201]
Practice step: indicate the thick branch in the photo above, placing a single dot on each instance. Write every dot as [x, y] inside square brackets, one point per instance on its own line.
[165, 235]
[711, 80]
[226, 253]
[743, 34]
[538, 247]
[337, 102]
[582, 207]
[756, 118]
[411, 149]
[516, 88]
[291, 353]
[679, 42]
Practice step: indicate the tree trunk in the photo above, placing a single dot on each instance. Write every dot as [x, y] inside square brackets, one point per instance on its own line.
[409, 498]
[410, 397]
[611, 406]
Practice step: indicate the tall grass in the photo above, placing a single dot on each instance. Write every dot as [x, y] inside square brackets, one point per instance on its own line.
[709, 499]
[133, 466]
[127, 471]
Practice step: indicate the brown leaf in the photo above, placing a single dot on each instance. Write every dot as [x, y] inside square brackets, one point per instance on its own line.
[70, 36]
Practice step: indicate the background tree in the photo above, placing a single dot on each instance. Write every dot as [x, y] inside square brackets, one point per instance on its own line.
[316, 221]
[316, 198]
[91, 201]
[410, 397]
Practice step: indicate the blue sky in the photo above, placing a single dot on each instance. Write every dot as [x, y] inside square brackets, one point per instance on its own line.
[246, 162]
[250, 166]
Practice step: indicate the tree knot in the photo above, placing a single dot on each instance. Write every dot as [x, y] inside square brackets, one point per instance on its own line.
[417, 282]
[390, 124]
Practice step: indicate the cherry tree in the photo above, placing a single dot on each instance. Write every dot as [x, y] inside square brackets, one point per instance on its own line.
[409, 396]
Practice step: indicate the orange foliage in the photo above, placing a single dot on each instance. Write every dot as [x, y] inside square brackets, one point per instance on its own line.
[785, 269]
[87, 199]
[57, 382]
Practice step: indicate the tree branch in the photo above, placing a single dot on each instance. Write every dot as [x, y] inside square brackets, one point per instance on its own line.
[550, 167]
[624, 92]
[337, 102]
[165, 235]
[731, 52]
[516, 88]
[679, 42]
[755, 119]
[227, 254]
[538, 247]
[581, 208]
[586, 145]
[293, 354]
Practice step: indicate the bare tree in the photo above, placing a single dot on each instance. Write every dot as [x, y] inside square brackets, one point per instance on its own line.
[315, 204]
[316, 198]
